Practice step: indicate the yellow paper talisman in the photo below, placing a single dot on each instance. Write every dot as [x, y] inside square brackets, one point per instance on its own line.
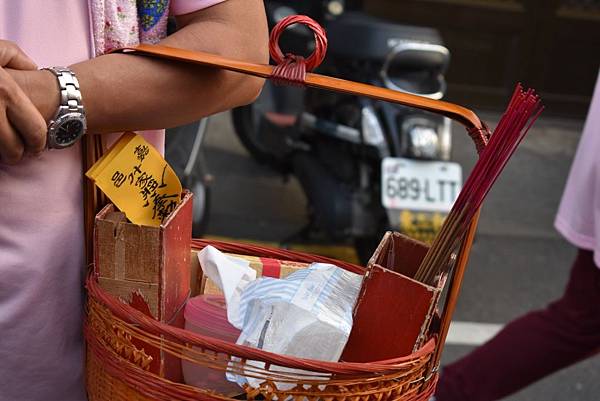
[138, 180]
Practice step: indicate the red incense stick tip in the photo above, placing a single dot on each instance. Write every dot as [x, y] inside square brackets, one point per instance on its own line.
[523, 109]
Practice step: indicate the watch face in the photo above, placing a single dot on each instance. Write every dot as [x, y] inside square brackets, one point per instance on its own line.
[67, 130]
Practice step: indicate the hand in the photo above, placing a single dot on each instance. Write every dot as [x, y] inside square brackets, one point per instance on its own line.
[22, 127]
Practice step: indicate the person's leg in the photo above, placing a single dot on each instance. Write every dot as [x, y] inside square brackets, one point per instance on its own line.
[533, 346]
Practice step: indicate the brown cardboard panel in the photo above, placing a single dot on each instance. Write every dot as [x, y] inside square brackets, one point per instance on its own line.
[176, 237]
[153, 262]
[389, 316]
[394, 311]
[126, 289]
[106, 229]
[195, 274]
[142, 253]
[400, 253]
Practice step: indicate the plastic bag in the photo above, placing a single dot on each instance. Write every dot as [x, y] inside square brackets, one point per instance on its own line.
[307, 314]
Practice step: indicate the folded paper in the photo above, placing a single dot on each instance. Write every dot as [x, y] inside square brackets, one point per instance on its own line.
[138, 180]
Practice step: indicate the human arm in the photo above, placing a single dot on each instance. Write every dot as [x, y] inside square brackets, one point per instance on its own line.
[125, 92]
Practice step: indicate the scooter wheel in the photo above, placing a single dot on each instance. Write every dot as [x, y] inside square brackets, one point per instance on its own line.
[248, 133]
[201, 209]
[243, 125]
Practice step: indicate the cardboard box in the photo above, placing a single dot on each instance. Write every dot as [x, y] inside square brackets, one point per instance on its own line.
[266, 267]
[394, 312]
[148, 267]
[196, 276]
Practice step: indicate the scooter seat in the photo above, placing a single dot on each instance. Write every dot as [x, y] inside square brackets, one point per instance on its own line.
[360, 36]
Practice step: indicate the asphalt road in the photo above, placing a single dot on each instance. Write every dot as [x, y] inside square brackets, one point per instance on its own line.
[518, 261]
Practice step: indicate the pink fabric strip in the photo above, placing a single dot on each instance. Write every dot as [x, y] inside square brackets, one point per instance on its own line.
[91, 30]
[187, 6]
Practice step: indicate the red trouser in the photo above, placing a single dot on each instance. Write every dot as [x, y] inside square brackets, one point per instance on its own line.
[532, 346]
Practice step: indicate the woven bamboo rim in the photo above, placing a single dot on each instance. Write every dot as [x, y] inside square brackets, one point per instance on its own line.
[118, 365]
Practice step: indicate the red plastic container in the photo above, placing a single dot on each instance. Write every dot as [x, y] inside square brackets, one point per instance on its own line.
[207, 315]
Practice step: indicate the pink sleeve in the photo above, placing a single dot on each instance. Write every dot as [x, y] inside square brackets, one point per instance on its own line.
[180, 7]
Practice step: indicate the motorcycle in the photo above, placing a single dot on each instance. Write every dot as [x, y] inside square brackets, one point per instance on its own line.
[365, 166]
[183, 151]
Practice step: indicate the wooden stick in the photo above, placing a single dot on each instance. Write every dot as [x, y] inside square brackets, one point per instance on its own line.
[461, 114]
[455, 286]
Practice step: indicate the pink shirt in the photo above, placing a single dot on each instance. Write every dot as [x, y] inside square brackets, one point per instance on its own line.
[578, 218]
[41, 223]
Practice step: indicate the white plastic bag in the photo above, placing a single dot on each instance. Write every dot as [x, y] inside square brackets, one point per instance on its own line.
[308, 314]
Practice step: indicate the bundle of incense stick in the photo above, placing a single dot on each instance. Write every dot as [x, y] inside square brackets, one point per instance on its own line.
[522, 111]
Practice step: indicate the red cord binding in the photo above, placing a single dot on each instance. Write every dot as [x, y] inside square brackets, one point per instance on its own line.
[291, 69]
[481, 137]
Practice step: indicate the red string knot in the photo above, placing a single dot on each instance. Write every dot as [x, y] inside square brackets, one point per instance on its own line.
[480, 136]
[291, 68]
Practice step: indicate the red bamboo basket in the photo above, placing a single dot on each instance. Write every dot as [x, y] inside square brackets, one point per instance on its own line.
[117, 364]
[116, 333]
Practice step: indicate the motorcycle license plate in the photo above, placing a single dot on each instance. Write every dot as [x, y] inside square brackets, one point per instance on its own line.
[419, 185]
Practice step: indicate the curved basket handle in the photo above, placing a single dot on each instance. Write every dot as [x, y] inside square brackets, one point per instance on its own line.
[292, 69]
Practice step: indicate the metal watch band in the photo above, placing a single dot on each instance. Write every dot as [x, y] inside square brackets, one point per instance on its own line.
[70, 96]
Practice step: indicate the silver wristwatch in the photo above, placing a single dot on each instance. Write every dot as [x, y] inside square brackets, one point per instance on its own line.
[68, 124]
